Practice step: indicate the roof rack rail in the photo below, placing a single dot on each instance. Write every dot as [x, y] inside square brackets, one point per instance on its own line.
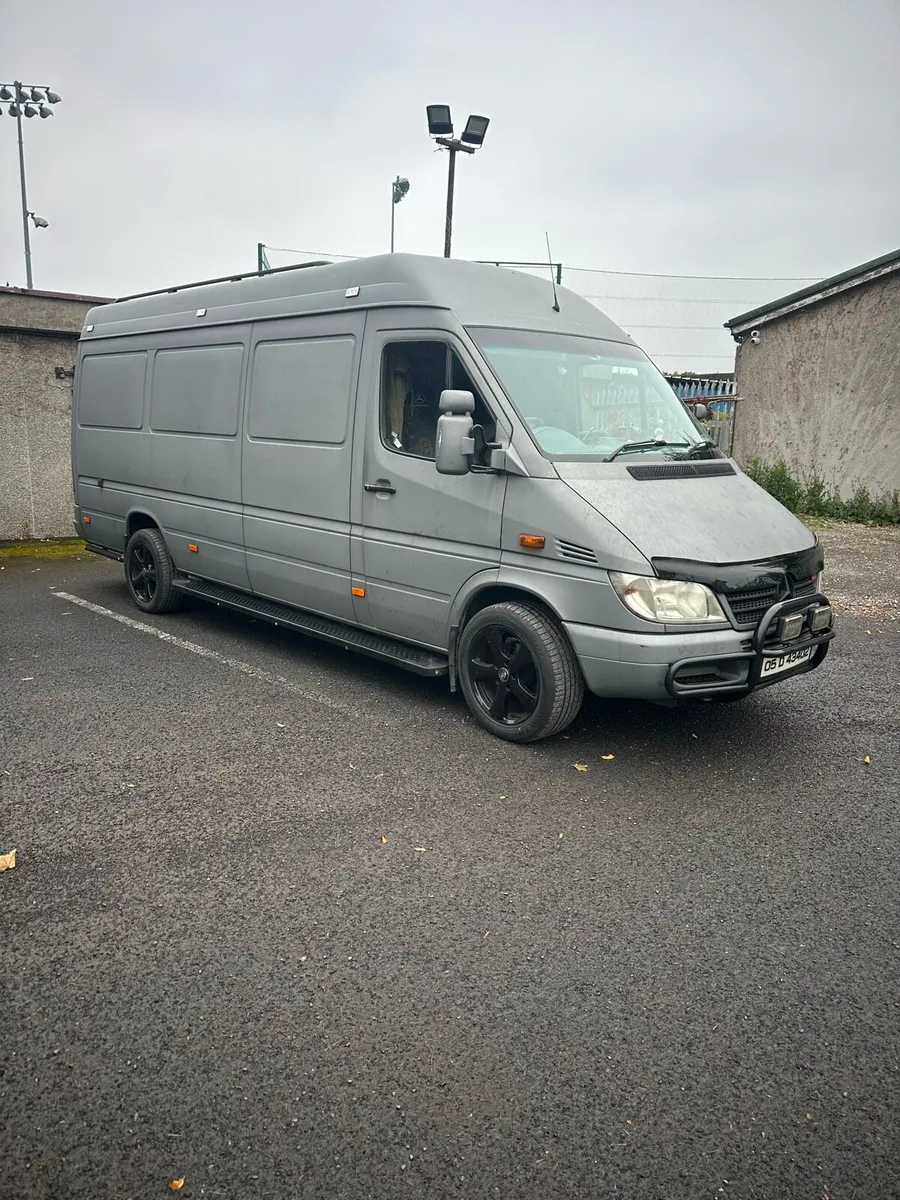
[181, 287]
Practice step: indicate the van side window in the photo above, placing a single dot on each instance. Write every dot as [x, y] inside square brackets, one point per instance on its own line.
[413, 375]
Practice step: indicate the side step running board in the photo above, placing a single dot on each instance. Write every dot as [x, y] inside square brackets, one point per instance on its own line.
[116, 555]
[422, 662]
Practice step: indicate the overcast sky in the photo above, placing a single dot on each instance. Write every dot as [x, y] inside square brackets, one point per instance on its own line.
[681, 136]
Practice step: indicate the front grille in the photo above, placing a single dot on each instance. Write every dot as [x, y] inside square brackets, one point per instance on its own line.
[749, 605]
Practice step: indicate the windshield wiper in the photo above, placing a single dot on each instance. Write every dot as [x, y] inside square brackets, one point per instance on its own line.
[656, 444]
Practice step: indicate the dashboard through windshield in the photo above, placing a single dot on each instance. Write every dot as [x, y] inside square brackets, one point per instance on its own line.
[587, 399]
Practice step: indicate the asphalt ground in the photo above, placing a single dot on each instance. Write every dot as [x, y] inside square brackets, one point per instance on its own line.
[286, 923]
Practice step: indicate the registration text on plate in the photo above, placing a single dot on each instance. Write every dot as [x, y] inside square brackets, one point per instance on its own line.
[777, 663]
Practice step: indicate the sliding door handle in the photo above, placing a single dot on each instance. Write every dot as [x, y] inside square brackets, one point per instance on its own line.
[380, 485]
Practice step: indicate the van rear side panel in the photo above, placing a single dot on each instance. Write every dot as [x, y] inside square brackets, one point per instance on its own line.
[156, 435]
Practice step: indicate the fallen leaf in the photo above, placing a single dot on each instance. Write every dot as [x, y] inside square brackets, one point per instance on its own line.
[502, 797]
[562, 835]
[380, 775]
[280, 724]
[581, 766]
[383, 840]
[607, 757]
[7, 861]
[486, 933]
[867, 760]
[420, 849]
[629, 1122]
[26, 679]
[131, 785]
[809, 1116]
[176, 1184]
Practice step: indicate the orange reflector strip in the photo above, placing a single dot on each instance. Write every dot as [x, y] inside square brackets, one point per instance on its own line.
[87, 520]
[355, 591]
[532, 541]
[193, 547]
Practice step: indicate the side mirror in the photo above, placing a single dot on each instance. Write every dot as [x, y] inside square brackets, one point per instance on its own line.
[455, 443]
[701, 412]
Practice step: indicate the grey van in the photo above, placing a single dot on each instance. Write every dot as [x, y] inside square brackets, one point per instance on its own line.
[449, 466]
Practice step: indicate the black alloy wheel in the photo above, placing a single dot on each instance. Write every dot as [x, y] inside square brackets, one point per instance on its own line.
[518, 672]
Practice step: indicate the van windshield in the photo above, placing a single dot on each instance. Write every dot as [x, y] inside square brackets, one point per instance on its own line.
[588, 399]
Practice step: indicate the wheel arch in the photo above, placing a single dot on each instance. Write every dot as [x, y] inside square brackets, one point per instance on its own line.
[481, 592]
[140, 518]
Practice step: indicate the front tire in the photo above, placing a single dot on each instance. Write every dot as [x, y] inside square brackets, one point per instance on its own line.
[518, 672]
[150, 573]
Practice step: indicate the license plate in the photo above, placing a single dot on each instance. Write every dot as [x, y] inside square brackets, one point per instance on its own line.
[775, 664]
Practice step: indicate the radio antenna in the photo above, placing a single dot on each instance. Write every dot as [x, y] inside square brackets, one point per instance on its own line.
[552, 274]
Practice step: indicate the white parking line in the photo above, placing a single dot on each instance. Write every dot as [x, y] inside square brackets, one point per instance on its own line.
[224, 660]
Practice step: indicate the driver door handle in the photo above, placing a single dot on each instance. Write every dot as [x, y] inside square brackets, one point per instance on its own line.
[380, 485]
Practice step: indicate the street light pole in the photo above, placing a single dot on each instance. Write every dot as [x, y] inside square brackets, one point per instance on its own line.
[393, 208]
[399, 188]
[32, 102]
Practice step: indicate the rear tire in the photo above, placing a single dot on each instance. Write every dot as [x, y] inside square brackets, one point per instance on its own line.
[150, 573]
[518, 672]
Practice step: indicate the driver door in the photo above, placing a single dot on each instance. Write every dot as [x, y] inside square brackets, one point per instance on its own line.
[423, 534]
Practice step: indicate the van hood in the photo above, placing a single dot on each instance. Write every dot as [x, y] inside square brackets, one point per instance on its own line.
[717, 519]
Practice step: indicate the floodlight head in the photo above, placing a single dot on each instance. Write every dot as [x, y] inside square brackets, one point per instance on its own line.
[5, 93]
[39, 222]
[401, 187]
[30, 110]
[439, 122]
[14, 110]
[476, 128]
[53, 98]
[45, 111]
[37, 95]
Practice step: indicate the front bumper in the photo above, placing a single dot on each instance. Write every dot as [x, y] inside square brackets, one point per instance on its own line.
[668, 668]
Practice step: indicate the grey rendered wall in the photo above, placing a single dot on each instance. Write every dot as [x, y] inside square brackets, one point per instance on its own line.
[822, 390]
[35, 472]
[38, 334]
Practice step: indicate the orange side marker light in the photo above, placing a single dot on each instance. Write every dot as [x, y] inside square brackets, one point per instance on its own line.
[532, 541]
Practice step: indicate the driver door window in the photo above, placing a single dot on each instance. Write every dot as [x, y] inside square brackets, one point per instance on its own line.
[413, 375]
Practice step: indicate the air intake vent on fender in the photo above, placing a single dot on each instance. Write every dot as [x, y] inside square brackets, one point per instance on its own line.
[575, 553]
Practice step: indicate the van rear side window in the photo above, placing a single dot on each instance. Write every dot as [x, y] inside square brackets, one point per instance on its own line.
[197, 390]
[111, 390]
[300, 391]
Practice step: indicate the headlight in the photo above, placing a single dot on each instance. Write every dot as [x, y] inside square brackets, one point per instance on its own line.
[671, 601]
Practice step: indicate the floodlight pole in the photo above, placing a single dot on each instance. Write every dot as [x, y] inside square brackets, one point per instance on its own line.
[29, 281]
[453, 145]
[451, 184]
